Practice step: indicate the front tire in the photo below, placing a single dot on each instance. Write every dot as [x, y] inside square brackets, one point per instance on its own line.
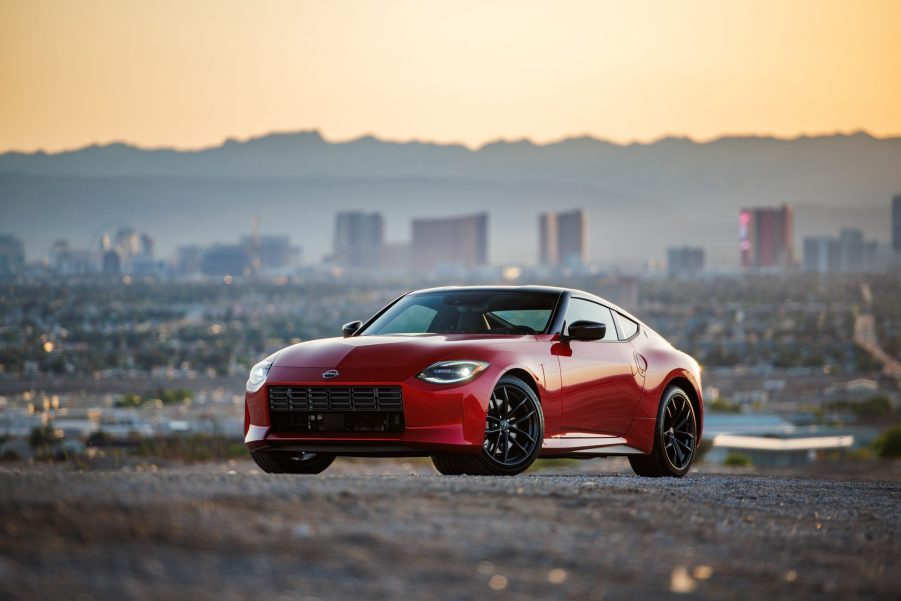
[514, 431]
[279, 462]
[455, 465]
[675, 438]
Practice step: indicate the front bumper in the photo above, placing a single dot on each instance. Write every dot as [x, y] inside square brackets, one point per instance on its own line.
[437, 418]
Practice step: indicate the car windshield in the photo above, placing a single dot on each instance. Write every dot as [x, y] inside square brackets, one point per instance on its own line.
[467, 312]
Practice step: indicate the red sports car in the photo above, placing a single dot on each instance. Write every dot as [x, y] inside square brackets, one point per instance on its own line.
[484, 380]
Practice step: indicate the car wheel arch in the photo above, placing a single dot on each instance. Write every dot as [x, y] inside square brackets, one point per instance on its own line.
[527, 377]
[689, 388]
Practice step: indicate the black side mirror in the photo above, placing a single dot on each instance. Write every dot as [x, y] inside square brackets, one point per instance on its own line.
[350, 328]
[586, 330]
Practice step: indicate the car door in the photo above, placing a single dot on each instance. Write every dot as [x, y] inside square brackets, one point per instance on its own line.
[601, 384]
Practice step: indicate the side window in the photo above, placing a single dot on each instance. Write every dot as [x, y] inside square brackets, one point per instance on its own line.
[628, 327]
[583, 310]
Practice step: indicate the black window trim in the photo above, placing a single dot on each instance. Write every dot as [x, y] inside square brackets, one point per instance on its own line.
[617, 317]
[613, 313]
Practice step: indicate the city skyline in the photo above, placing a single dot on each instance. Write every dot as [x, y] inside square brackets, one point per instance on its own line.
[765, 243]
[295, 182]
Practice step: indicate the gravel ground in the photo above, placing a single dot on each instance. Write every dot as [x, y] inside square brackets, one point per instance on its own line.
[386, 530]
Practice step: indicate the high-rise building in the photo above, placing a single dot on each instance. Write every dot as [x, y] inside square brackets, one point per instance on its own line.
[849, 253]
[271, 253]
[227, 259]
[189, 259]
[853, 250]
[12, 255]
[547, 239]
[821, 254]
[133, 249]
[450, 242]
[129, 243]
[562, 238]
[684, 260]
[276, 252]
[358, 239]
[65, 260]
[765, 237]
[146, 247]
[896, 223]
[111, 263]
[571, 239]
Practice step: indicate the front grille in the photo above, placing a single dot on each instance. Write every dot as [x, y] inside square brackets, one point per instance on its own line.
[336, 408]
[335, 398]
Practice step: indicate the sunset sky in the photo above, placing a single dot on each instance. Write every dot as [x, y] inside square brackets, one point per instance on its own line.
[192, 73]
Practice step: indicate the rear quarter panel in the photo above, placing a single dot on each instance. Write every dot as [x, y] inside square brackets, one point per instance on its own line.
[665, 364]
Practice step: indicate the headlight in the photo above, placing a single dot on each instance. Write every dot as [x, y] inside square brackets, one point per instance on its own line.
[258, 374]
[451, 372]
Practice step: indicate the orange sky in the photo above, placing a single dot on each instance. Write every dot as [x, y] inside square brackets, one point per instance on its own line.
[191, 73]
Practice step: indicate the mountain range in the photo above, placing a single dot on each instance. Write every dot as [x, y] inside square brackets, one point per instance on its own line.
[639, 198]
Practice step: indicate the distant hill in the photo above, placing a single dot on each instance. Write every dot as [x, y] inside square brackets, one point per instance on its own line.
[640, 198]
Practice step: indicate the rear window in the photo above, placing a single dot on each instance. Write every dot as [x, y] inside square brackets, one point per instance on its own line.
[627, 327]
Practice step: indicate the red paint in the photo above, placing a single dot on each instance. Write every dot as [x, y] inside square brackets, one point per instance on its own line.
[599, 391]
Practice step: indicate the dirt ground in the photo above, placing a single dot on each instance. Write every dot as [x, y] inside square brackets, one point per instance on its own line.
[396, 529]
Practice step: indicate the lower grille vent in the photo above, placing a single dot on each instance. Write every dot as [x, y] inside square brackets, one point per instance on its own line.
[336, 408]
[335, 398]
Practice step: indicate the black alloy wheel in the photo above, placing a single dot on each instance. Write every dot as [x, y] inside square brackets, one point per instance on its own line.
[679, 431]
[514, 432]
[512, 426]
[675, 438]
[281, 462]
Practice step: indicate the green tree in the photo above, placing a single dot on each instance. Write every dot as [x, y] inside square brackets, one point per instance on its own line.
[98, 438]
[722, 405]
[888, 445]
[130, 400]
[174, 396]
[737, 460]
[42, 438]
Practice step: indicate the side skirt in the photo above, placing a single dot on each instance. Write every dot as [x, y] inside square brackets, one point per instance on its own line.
[611, 451]
[584, 447]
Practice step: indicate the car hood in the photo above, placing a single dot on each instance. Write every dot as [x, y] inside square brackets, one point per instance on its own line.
[393, 357]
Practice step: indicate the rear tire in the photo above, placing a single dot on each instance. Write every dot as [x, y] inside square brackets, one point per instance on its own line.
[279, 462]
[675, 438]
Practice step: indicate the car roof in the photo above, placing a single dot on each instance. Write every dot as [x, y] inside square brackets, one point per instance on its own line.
[531, 288]
[534, 288]
[546, 289]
